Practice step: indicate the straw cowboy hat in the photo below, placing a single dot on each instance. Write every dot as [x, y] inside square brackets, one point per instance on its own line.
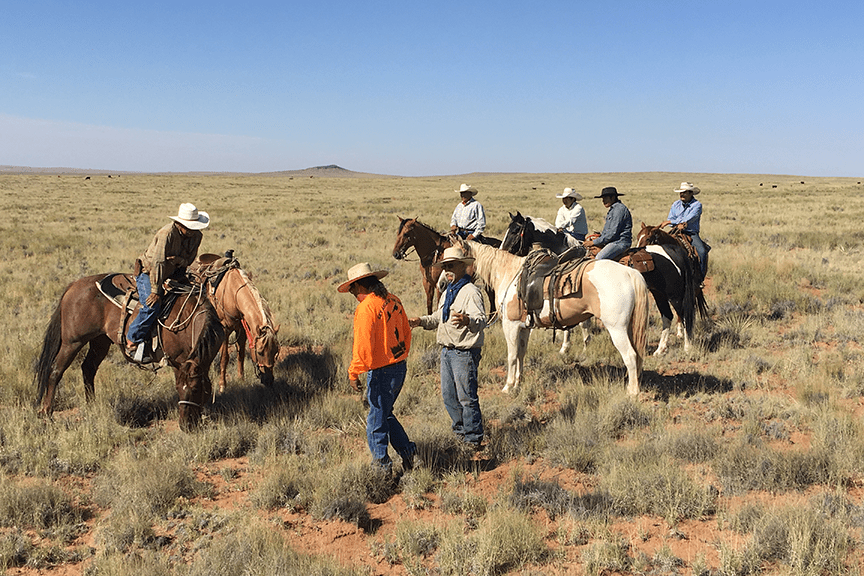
[191, 217]
[609, 191]
[688, 187]
[569, 193]
[467, 188]
[453, 254]
[358, 272]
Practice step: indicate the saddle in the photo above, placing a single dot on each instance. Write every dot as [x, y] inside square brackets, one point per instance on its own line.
[210, 269]
[546, 276]
[121, 290]
[637, 258]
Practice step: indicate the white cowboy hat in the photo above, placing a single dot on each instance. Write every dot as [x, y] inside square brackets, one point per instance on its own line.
[688, 187]
[358, 271]
[191, 217]
[569, 193]
[453, 254]
[467, 188]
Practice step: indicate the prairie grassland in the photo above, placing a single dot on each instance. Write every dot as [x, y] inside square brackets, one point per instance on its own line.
[743, 455]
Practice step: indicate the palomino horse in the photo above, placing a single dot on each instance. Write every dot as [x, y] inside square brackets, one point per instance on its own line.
[615, 294]
[242, 311]
[428, 244]
[190, 337]
[680, 277]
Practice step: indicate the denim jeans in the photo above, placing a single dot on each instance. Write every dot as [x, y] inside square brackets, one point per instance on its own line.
[383, 386]
[139, 329]
[612, 250]
[702, 250]
[459, 391]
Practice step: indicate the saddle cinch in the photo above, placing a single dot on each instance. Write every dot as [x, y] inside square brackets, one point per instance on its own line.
[121, 290]
[546, 276]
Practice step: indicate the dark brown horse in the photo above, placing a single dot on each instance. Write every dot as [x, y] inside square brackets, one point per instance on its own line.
[190, 338]
[242, 311]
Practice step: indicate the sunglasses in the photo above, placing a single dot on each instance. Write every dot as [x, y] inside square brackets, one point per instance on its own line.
[448, 266]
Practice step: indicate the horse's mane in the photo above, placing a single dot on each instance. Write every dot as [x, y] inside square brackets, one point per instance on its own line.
[259, 300]
[419, 223]
[541, 225]
[489, 260]
[211, 336]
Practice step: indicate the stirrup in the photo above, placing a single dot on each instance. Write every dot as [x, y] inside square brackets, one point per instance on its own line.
[139, 354]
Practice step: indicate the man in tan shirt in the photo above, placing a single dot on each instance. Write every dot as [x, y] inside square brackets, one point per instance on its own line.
[174, 247]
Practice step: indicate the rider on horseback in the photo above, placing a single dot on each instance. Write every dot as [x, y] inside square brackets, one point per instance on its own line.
[174, 247]
[685, 215]
[469, 219]
[571, 217]
[617, 234]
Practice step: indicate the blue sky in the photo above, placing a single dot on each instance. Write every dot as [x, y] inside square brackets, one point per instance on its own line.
[438, 88]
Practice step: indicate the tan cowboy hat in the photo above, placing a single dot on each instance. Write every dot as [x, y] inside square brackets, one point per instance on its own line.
[191, 217]
[569, 193]
[609, 191]
[453, 254]
[358, 271]
[467, 188]
[688, 187]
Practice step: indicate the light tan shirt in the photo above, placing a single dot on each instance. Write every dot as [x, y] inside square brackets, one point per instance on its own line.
[169, 251]
[468, 301]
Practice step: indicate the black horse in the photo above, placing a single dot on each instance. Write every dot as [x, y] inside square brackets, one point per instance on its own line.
[672, 280]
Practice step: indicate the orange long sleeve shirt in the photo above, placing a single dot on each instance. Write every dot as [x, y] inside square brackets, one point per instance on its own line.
[382, 335]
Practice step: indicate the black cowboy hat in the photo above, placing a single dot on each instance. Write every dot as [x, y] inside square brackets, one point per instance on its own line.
[609, 191]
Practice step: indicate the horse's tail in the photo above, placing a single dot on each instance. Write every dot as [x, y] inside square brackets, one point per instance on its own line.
[639, 318]
[50, 347]
[694, 299]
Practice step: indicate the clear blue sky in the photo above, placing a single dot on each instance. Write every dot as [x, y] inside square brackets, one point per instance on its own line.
[434, 88]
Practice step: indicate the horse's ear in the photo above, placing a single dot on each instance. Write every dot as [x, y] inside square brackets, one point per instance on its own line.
[511, 214]
[276, 330]
[518, 213]
[400, 218]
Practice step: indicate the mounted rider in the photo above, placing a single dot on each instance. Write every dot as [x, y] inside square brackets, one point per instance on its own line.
[685, 215]
[469, 218]
[617, 234]
[173, 248]
[570, 218]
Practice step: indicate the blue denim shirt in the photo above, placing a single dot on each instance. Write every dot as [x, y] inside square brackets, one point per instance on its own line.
[691, 213]
[618, 226]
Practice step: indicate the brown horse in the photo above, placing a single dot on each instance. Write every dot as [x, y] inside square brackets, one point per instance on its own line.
[190, 337]
[242, 311]
[428, 244]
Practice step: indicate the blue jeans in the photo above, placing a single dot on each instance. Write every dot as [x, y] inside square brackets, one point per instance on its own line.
[139, 330]
[459, 391]
[612, 250]
[701, 249]
[382, 428]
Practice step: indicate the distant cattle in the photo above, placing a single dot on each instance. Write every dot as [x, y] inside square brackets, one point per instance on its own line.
[87, 178]
[773, 186]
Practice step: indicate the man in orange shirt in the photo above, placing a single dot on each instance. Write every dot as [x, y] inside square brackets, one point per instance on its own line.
[382, 339]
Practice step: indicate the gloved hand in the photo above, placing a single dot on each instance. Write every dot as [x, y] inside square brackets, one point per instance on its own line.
[152, 299]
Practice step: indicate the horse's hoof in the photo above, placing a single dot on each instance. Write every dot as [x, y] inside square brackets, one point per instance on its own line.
[659, 352]
[506, 389]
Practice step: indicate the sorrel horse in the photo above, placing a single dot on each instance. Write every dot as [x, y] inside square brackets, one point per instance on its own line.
[242, 311]
[671, 280]
[615, 294]
[428, 244]
[688, 299]
[190, 337]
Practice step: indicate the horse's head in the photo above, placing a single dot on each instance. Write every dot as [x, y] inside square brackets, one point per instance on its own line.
[654, 235]
[404, 237]
[193, 388]
[264, 350]
[644, 233]
[515, 240]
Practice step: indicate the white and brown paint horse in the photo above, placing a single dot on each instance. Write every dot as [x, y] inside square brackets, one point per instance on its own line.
[615, 294]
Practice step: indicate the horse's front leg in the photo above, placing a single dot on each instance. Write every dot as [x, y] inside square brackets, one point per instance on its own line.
[565, 344]
[516, 336]
[241, 352]
[223, 365]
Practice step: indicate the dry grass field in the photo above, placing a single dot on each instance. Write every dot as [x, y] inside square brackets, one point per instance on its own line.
[744, 455]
